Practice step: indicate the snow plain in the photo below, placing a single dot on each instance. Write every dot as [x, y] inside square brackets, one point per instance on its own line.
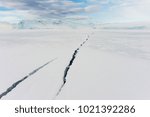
[113, 64]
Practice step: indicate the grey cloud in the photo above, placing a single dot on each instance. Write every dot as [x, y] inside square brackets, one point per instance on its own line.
[51, 8]
[92, 8]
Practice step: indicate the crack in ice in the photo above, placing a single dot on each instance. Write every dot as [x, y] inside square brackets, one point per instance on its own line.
[14, 85]
[69, 65]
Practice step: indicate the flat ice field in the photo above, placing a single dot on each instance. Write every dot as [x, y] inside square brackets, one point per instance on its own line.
[111, 64]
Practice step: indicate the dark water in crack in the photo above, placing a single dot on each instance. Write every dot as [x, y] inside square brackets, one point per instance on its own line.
[69, 65]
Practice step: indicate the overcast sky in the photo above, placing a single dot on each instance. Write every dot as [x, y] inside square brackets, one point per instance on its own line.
[76, 10]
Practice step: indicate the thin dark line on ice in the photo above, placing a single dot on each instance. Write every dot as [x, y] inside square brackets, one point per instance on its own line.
[69, 65]
[14, 85]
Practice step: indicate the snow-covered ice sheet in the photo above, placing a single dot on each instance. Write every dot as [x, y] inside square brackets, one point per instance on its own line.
[23, 51]
[113, 64]
[101, 75]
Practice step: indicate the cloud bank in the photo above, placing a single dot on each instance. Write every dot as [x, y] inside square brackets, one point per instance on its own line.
[76, 10]
[53, 8]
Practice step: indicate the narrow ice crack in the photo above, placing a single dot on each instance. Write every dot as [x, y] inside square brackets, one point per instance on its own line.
[14, 85]
[72, 60]
[69, 65]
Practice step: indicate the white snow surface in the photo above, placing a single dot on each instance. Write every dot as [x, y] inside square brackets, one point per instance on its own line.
[5, 26]
[113, 64]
